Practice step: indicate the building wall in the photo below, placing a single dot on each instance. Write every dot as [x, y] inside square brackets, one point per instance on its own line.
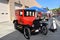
[11, 9]
[30, 3]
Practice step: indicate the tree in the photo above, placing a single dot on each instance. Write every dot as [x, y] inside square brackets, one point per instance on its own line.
[56, 11]
[47, 8]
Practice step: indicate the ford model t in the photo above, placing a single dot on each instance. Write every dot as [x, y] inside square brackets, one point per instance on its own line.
[29, 22]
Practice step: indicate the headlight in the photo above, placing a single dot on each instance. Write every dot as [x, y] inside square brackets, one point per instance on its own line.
[33, 25]
[44, 20]
[37, 30]
[40, 24]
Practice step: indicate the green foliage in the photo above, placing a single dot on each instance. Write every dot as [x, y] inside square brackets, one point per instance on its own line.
[56, 9]
[47, 8]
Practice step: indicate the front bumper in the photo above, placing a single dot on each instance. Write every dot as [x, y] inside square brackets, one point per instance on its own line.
[37, 30]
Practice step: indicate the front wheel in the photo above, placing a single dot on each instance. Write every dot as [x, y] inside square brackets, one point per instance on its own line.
[27, 33]
[44, 30]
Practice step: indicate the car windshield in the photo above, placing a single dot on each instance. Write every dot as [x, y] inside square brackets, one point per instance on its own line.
[44, 16]
[29, 13]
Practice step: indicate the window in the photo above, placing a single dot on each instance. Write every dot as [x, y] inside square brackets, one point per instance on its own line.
[44, 16]
[20, 13]
[33, 13]
[29, 13]
[2, 13]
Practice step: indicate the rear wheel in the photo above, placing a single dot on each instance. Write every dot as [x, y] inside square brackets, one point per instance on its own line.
[44, 30]
[27, 33]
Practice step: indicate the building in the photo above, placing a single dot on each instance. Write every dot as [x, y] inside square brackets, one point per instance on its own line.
[8, 7]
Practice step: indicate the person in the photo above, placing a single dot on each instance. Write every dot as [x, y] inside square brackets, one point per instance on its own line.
[39, 15]
[36, 22]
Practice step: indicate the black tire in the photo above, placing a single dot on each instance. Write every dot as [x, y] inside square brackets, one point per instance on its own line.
[16, 25]
[27, 33]
[44, 30]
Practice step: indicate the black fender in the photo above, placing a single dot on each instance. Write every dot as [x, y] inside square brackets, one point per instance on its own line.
[36, 24]
[15, 21]
[44, 24]
[26, 26]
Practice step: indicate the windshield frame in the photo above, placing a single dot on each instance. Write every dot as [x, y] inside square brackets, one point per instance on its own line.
[30, 13]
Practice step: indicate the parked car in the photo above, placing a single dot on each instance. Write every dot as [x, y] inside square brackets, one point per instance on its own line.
[27, 21]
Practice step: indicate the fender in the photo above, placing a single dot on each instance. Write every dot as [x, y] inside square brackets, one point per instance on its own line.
[44, 24]
[15, 21]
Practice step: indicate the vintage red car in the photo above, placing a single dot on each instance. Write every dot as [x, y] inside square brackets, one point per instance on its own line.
[29, 22]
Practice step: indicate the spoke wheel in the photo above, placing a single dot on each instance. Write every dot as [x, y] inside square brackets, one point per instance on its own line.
[44, 30]
[27, 33]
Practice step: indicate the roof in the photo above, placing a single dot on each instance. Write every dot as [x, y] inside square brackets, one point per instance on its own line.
[37, 9]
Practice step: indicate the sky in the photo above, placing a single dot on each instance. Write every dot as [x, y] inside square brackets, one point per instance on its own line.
[51, 4]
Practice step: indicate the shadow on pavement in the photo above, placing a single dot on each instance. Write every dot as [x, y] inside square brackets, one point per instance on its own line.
[31, 33]
[16, 35]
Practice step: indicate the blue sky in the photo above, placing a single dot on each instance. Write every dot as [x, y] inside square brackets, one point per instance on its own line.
[49, 3]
